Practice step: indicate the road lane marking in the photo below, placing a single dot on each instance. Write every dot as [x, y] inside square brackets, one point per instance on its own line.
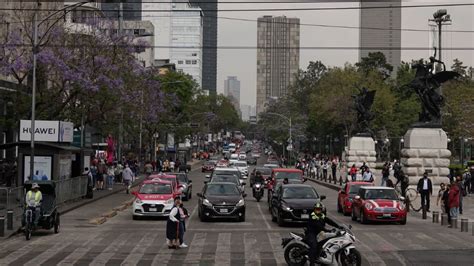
[196, 247]
[406, 241]
[111, 249]
[24, 250]
[264, 217]
[223, 249]
[400, 258]
[380, 242]
[251, 249]
[275, 240]
[163, 255]
[431, 240]
[137, 252]
[82, 250]
[188, 225]
[49, 253]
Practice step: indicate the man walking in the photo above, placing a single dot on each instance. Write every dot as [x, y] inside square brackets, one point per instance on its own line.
[425, 188]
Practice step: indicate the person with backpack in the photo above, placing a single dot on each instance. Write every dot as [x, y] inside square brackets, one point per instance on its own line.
[368, 176]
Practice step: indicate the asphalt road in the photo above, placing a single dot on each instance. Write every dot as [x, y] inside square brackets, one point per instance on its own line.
[123, 241]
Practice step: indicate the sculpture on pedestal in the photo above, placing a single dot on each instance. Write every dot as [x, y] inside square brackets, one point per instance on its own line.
[363, 102]
[426, 85]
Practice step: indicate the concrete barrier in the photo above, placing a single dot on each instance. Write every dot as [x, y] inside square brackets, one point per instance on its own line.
[109, 214]
[464, 225]
[435, 217]
[444, 219]
[454, 222]
[98, 221]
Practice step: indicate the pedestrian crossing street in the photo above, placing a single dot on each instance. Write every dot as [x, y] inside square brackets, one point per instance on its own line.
[255, 247]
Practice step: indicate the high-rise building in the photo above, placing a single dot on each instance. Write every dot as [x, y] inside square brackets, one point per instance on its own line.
[178, 35]
[390, 20]
[131, 9]
[278, 57]
[246, 112]
[209, 62]
[232, 91]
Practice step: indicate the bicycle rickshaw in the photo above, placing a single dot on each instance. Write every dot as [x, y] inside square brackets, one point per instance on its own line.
[49, 215]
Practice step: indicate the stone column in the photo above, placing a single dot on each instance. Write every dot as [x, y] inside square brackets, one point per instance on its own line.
[361, 149]
[426, 149]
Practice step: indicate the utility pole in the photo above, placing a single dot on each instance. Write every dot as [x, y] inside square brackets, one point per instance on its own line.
[33, 92]
[120, 20]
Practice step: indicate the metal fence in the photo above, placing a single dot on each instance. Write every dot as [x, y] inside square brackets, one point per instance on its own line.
[14, 198]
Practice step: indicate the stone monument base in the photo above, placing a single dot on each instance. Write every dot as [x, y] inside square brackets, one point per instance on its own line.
[361, 149]
[426, 149]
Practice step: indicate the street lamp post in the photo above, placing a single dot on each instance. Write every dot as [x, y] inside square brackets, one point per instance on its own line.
[290, 140]
[35, 52]
[440, 17]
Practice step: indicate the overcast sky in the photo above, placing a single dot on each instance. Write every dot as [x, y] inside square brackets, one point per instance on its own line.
[242, 63]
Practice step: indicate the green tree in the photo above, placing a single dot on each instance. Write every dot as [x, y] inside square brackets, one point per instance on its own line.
[459, 68]
[375, 61]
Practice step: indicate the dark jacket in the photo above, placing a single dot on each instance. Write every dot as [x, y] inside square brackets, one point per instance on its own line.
[420, 186]
[317, 224]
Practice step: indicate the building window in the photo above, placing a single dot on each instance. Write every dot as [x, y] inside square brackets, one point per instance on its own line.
[180, 62]
[188, 62]
[194, 54]
[194, 62]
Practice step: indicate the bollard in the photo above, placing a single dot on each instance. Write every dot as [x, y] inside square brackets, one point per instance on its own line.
[340, 180]
[335, 180]
[435, 217]
[454, 222]
[10, 220]
[464, 225]
[444, 219]
[2, 226]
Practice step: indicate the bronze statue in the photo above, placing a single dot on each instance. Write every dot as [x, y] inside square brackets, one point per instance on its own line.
[363, 102]
[426, 85]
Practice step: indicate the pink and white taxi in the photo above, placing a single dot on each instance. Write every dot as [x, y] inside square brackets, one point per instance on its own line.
[154, 198]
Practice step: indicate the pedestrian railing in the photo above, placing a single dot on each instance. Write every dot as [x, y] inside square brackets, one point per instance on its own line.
[12, 200]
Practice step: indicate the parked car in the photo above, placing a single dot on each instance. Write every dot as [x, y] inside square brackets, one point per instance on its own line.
[293, 203]
[186, 185]
[346, 196]
[221, 200]
[208, 166]
[379, 204]
[154, 198]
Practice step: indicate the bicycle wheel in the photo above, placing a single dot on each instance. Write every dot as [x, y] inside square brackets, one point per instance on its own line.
[411, 194]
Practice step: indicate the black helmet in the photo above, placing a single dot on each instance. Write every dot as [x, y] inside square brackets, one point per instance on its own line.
[318, 205]
[258, 173]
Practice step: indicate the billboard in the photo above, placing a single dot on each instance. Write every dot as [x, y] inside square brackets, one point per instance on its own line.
[47, 131]
[43, 168]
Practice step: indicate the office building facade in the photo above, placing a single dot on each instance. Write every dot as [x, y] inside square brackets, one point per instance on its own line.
[232, 91]
[387, 40]
[278, 57]
[131, 9]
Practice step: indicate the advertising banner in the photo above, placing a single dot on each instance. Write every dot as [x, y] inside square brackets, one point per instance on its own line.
[43, 168]
[47, 131]
[66, 131]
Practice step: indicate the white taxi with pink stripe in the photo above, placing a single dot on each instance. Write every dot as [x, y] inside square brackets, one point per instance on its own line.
[378, 204]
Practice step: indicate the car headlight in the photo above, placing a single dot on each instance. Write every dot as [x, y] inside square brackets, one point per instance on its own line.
[240, 203]
[170, 201]
[286, 208]
[258, 185]
[369, 206]
[138, 201]
[207, 203]
[401, 206]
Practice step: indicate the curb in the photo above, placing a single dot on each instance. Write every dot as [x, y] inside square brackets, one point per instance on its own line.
[97, 221]
[109, 214]
[328, 185]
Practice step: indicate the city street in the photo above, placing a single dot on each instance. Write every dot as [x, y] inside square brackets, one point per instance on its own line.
[123, 241]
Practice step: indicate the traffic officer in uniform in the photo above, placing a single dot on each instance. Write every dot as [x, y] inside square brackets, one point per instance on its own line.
[317, 224]
[33, 201]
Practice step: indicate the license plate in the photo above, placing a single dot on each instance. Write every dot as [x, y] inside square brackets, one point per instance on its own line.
[304, 216]
[387, 215]
[153, 209]
[224, 210]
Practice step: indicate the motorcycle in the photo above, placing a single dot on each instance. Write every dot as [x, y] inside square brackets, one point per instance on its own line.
[339, 248]
[257, 190]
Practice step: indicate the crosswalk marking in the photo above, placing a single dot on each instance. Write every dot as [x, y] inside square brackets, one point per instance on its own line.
[195, 248]
[382, 244]
[275, 240]
[223, 249]
[137, 252]
[251, 249]
[51, 252]
[111, 249]
[406, 241]
[79, 252]
[23, 250]
[163, 255]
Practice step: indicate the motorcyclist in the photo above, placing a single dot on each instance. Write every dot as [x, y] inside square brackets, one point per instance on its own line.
[317, 224]
[33, 201]
[258, 178]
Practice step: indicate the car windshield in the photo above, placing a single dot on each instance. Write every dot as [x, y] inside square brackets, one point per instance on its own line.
[354, 189]
[158, 188]
[221, 189]
[240, 164]
[226, 178]
[388, 194]
[182, 178]
[234, 173]
[289, 175]
[299, 193]
[265, 171]
[271, 166]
